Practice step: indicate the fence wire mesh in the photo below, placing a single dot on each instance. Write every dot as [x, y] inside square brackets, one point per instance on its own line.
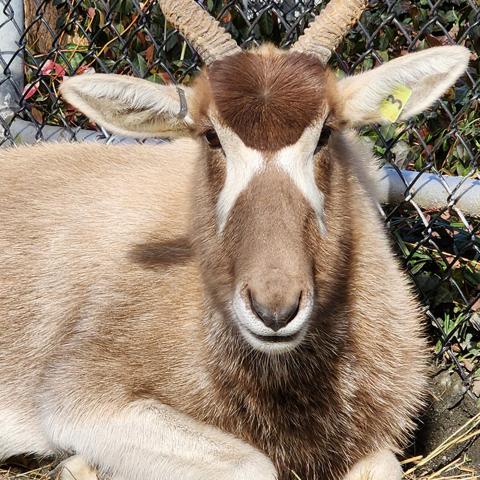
[441, 248]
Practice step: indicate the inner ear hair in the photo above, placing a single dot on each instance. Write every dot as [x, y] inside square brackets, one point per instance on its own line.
[334, 122]
[334, 99]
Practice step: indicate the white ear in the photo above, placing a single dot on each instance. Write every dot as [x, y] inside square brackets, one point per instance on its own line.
[130, 106]
[410, 84]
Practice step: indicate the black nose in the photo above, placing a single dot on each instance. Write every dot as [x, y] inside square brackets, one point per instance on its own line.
[275, 317]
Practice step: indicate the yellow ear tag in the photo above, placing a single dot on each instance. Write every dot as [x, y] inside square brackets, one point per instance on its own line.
[392, 106]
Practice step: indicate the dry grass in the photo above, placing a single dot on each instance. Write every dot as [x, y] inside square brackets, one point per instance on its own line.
[417, 468]
[19, 473]
[458, 469]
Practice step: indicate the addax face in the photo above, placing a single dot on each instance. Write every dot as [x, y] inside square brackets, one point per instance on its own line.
[265, 118]
[267, 123]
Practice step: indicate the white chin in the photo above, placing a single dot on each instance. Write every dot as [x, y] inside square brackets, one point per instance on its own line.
[266, 340]
[273, 344]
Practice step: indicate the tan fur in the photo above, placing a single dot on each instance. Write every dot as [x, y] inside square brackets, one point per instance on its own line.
[119, 341]
[128, 105]
[141, 286]
[427, 74]
[82, 290]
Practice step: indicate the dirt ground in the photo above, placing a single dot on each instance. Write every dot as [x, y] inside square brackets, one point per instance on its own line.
[452, 405]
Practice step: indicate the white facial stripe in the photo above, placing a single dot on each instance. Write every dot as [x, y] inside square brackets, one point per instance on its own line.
[297, 161]
[242, 164]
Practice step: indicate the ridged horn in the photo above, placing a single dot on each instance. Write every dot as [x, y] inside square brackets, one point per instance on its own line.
[206, 35]
[326, 32]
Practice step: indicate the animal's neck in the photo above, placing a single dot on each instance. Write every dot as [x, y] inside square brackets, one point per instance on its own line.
[263, 399]
[235, 367]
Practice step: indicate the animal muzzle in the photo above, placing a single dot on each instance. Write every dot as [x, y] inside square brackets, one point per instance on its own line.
[273, 312]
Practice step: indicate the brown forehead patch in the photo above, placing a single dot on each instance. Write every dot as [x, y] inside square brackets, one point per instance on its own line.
[268, 99]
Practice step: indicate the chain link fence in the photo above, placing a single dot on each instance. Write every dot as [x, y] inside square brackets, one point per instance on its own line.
[440, 247]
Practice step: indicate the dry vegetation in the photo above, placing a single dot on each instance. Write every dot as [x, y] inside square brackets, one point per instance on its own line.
[418, 468]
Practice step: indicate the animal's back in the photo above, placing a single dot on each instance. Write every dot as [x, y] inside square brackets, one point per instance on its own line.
[78, 223]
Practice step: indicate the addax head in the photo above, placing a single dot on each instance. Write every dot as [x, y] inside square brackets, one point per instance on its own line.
[270, 122]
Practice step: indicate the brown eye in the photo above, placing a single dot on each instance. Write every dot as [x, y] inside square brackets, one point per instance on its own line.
[212, 138]
[324, 137]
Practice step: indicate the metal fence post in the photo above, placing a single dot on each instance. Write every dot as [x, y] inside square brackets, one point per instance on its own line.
[11, 60]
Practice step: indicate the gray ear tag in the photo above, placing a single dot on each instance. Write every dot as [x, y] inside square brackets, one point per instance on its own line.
[183, 104]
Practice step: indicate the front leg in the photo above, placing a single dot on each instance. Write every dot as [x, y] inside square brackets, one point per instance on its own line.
[147, 440]
[381, 465]
[73, 468]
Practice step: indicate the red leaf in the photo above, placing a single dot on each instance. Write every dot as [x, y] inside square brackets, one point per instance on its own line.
[437, 40]
[142, 38]
[149, 54]
[165, 77]
[91, 12]
[85, 69]
[30, 90]
[52, 68]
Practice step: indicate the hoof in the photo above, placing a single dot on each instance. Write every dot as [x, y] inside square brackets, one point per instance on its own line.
[73, 468]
